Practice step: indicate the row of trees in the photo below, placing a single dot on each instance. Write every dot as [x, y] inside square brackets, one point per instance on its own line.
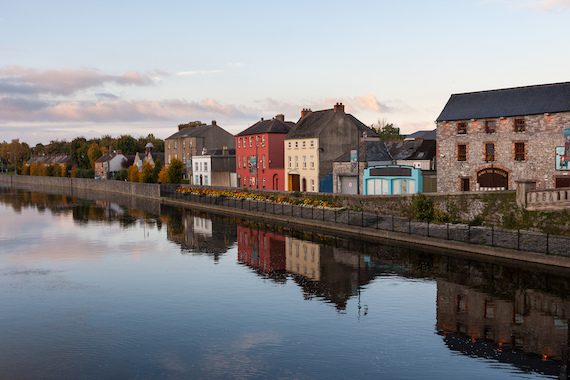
[83, 152]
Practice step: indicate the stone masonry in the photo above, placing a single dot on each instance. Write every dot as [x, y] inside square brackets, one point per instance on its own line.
[543, 133]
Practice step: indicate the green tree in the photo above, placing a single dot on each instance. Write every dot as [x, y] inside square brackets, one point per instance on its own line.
[175, 171]
[127, 144]
[387, 131]
[147, 173]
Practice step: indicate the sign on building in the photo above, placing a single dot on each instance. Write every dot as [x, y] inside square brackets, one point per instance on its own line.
[563, 153]
[354, 161]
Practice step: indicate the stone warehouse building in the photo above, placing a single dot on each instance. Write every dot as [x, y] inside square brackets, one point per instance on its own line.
[489, 140]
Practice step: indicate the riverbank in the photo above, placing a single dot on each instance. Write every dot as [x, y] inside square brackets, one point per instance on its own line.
[523, 246]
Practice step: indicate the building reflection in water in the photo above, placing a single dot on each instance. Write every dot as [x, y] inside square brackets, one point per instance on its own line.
[198, 233]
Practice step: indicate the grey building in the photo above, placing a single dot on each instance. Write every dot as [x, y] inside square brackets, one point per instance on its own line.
[313, 144]
[488, 140]
[191, 139]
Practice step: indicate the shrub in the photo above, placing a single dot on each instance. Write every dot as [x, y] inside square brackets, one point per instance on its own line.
[422, 208]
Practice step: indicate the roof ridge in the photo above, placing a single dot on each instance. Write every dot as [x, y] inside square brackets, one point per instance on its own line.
[512, 88]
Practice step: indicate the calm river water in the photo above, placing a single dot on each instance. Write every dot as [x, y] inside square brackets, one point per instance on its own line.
[94, 289]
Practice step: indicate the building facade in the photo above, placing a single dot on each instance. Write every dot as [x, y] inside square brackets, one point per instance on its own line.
[315, 142]
[191, 140]
[259, 154]
[214, 168]
[109, 164]
[489, 140]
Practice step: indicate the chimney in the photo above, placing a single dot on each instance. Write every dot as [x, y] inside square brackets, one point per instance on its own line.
[214, 123]
[305, 112]
[339, 107]
[280, 117]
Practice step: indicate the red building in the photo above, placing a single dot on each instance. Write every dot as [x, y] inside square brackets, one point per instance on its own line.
[260, 162]
[262, 250]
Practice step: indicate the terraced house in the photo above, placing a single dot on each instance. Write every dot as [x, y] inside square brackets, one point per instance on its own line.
[489, 140]
[314, 143]
[259, 154]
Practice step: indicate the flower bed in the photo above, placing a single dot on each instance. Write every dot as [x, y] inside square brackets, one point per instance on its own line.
[245, 194]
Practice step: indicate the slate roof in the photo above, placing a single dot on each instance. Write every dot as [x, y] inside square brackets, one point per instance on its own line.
[517, 101]
[191, 132]
[109, 156]
[368, 151]
[426, 135]
[268, 126]
[312, 124]
[412, 149]
[49, 159]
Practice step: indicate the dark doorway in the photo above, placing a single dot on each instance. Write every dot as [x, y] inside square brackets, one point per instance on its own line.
[304, 184]
[493, 179]
[275, 182]
[201, 180]
[294, 182]
[562, 182]
[465, 184]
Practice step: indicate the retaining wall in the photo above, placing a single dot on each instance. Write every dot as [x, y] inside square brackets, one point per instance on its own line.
[149, 190]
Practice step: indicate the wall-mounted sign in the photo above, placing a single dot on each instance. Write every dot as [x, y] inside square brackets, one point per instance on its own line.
[252, 164]
[354, 161]
[563, 152]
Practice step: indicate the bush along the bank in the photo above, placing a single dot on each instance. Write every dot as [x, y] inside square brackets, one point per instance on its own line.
[245, 194]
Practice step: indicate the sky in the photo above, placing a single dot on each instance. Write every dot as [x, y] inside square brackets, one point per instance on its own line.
[71, 68]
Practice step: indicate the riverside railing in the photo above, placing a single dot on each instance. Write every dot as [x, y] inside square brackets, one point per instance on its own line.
[521, 240]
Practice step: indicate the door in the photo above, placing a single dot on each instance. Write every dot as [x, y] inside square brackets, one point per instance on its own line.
[348, 184]
[275, 182]
[304, 184]
[294, 182]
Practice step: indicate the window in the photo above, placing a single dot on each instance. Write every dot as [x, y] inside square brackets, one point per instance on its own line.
[205, 166]
[262, 140]
[312, 143]
[256, 140]
[244, 161]
[296, 144]
[196, 180]
[200, 166]
[239, 142]
[296, 161]
[520, 125]
[250, 141]
[312, 185]
[490, 126]
[289, 161]
[174, 144]
[519, 151]
[312, 162]
[304, 162]
[465, 184]
[462, 128]
[289, 144]
[263, 161]
[206, 180]
[244, 181]
[489, 152]
[304, 144]
[263, 183]
[183, 144]
[461, 152]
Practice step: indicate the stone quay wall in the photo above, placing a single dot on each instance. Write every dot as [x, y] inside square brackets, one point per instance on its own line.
[149, 190]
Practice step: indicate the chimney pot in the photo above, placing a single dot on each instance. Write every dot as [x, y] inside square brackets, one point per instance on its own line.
[214, 122]
[280, 117]
[305, 112]
[339, 107]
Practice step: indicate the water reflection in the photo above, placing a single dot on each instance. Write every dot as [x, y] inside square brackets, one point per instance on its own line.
[511, 316]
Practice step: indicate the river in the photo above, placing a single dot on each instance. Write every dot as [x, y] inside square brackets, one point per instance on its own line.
[94, 289]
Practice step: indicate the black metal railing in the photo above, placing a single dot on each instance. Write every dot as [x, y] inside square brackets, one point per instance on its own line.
[521, 240]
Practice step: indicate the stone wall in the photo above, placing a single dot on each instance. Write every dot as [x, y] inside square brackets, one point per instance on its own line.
[148, 190]
[543, 134]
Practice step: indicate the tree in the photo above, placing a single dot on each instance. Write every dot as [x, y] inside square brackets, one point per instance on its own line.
[127, 144]
[163, 175]
[387, 131]
[147, 173]
[93, 153]
[133, 173]
[175, 171]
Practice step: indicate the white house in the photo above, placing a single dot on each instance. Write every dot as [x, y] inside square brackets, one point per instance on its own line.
[108, 164]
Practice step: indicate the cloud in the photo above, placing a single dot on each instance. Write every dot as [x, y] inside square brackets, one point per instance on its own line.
[190, 73]
[29, 110]
[541, 5]
[23, 80]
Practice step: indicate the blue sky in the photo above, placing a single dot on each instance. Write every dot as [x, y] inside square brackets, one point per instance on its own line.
[71, 68]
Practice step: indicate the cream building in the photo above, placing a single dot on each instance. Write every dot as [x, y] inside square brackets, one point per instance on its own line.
[303, 258]
[302, 164]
